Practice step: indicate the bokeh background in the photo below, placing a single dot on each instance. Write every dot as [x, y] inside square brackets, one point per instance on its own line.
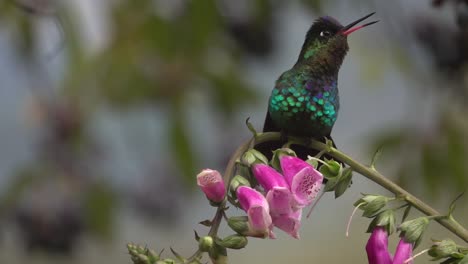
[108, 109]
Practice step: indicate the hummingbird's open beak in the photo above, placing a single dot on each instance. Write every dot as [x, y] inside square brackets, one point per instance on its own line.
[349, 28]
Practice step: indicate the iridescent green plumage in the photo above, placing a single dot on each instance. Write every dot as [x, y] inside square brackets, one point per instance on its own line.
[304, 105]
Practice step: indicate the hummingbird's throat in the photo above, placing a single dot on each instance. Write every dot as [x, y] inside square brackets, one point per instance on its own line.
[324, 57]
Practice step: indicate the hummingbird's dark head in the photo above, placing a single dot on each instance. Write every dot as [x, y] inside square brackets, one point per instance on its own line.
[326, 43]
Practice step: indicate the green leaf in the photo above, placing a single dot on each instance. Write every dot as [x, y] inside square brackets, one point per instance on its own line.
[406, 213]
[376, 155]
[177, 255]
[452, 204]
[206, 222]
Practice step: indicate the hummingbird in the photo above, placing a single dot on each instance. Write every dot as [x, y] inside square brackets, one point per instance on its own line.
[305, 100]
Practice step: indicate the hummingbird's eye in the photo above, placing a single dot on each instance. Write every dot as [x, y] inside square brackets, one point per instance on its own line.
[325, 33]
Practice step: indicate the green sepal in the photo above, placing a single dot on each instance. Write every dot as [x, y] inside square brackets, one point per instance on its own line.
[406, 212]
[413, 230]
[206, 222]
[218, 254]
[456, 260]
[197, 237]
[371, 204]
[385, 219]
[444, 249]
[344, 182]
[253, 156]
[312, 162]
[238, 181]
[332, 169]
[277, 154]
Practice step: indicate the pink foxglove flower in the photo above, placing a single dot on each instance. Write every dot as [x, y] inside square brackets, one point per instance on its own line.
[279, 199]
[403, 252]
[289, 223]
[258, 211]
[304, 180]
[377, 247]
[278, 195]
[268, 177]
[212, 184]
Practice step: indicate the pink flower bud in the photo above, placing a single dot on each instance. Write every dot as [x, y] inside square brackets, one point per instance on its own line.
[289, 223]
[377, 247]
[403, 252]
[258, 211]
[268, 177]
[212, 184]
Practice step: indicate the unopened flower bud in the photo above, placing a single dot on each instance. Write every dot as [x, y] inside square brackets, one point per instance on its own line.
[233, 242]
[331, 170]
[403, 251]
[377, 247]
[414, 229]
[205, 243]
[238, 181]
[212, 184]
[252, 157]
[443, 249]
[239, 224]
[258, 211]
